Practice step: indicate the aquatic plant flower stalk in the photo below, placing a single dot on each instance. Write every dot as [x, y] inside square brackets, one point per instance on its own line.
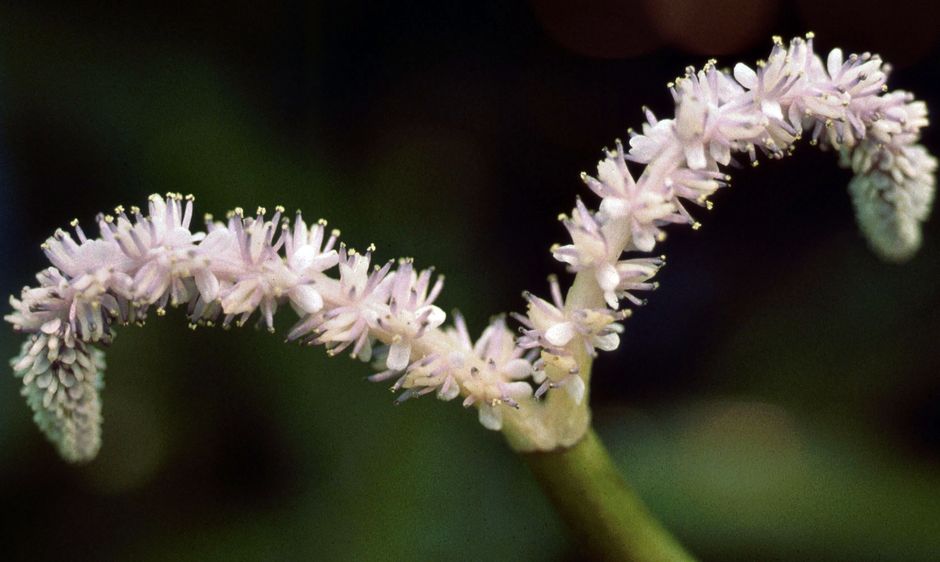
[533, 386]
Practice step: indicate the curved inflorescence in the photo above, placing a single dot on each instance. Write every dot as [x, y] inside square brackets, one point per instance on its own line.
[250, 264]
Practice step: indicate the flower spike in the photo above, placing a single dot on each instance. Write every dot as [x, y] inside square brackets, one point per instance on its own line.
[344, 301]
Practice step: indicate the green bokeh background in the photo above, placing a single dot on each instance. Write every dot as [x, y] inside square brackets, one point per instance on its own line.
[776, 400]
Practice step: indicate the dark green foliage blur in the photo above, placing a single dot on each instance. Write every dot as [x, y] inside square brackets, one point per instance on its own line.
[778, 399]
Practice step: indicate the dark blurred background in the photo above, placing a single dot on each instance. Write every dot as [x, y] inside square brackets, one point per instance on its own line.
[776, 400]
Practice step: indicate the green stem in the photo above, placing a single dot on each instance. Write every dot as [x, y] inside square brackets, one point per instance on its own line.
[601, 510]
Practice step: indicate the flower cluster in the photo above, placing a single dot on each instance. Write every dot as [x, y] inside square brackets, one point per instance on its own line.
[245, 265]
[892, 191]
[61, 379]
[386, 312]
[840, 103]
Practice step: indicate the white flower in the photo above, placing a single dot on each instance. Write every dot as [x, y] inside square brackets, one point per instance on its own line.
[436, 372]
[353, 307]
[431, 373]
[411, 312]
[159, 248]
[498, 381]
[256, 276]
[306, 254]
[588, 250]
[306, 250]
[842, 98]
[557, 331]
[553, 327]
[695, 186]
[88, 256]
[713, 118]
[635, 274]
[898, 119]
[656, 138]
[770, 87]
[80, 308]
[645, 206]
[488, 373]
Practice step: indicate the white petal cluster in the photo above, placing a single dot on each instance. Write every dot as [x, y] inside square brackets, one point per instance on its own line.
[410, 312]
[355, 303]
[489, 373]
[559, 334]
[225, 275]
[588, 251]
[840, 102]
[346, 302]
[498, 380]
[643, 211]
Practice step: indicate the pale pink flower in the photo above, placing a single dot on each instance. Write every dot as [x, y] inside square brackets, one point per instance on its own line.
[411, 311]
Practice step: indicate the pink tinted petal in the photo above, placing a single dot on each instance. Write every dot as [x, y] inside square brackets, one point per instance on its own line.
[491, 417]
[208, 285]
[745, 76]
[560, 334]
[306, 298]
[399, 354]
[574, 386]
